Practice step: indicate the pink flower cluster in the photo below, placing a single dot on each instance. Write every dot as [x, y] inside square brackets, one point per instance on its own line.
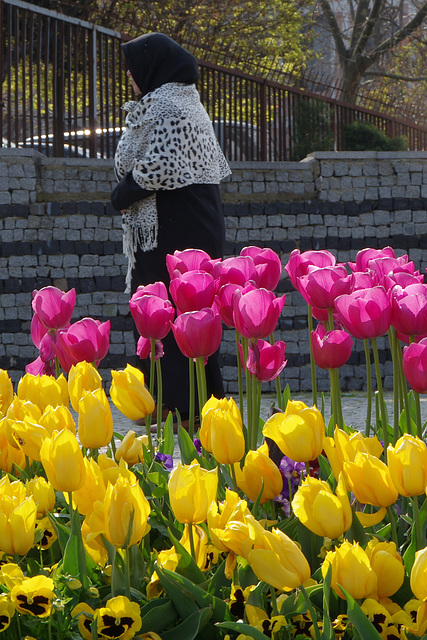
[55, 337]
[380, 291]
[237, 291]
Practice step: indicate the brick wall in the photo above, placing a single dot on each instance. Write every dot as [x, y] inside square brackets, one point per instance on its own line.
[58, 227]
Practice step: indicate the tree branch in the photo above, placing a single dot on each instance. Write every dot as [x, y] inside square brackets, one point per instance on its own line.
[395, 76]
[368, 27]
[335, 30]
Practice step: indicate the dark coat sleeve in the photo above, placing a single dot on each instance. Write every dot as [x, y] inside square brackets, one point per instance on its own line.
[127, 192]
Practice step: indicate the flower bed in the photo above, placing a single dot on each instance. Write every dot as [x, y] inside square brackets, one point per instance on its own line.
[285, 529]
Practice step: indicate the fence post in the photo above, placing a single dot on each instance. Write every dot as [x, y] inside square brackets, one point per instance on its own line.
[92, 91]
[263, 121]
[58, 91]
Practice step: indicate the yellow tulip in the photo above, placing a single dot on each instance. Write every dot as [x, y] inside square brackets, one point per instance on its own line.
[240, 536]
[95, 420]
[343, 447]
[29, 436]
[277, 560]
[258, 469]
[93, 488]
[320, 510]
[17, 522]
[407, 462]
[125, 503]
[200, 544]
[111, 470]
[11, 574]
[370, 480]
[131, 448]
[43, 494]
[17, 411]
[388, 566]
[42, 390]
[9, 456]
[191, 492]
[221, 432]
[92, 539]
[419, 575]
[352, 570]
[82, 377]
[129, 394]
[6, 392]
[57, 418]
[233, 508]
[62, 460]
[299, 432]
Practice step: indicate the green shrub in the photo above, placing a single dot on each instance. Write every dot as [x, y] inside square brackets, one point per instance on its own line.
[312, 129]
[364, 136]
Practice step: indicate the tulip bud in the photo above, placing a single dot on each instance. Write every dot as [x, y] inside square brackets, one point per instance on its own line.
[370, 480]
[43, 494]
[352, 570]
[388, 566]
[191, 492]
[95, 420]
[324, 513]
[131, 448]
[299, 432]
[419, 575]
[259, 472]
[18, 515]
[62, 460]
[222, 430]
[82, 377]
[6, 392]
[129, 394]
[407, 462]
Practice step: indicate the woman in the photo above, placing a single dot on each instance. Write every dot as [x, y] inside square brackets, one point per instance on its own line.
[169, 166]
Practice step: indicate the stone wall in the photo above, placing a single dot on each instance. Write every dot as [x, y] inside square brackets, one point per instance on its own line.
[58, 227]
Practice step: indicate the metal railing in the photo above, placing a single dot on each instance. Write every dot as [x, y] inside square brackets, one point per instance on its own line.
[64, 82]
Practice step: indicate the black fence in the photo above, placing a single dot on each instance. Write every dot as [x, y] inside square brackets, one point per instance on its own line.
[64, 82]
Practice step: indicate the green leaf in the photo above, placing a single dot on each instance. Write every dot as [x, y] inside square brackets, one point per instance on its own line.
[327, 632]
[158, 615]
[356, 533]
[358, 618]
[62, 532]
[191, 627]
[186, 446]
[201, 597]
[241, 627]
[218, 581]
[187, 566]
[182, 597]
[325, 469]
[167, 445]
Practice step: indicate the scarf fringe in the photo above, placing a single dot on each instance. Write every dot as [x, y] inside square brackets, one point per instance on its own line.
[144, 237]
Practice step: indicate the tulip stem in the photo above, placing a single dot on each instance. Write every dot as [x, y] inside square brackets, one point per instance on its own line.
[392, 337]
[57, 369]
[312, 363]
[159, 398]
[274, 609]
[239, 372]
[127, 572]
[312, 612]
[393, 525]
[77, 532]
[418, 414]
[192, 398]
[233, 477]
[191, 538]
[381, 395]
[368, 387]
[201, 383]
[416, 520]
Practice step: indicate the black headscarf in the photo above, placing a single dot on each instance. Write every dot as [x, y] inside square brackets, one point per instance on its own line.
[155, 59]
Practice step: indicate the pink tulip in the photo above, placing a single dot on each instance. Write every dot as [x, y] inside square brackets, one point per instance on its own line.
[87, 339]
[267, 264]
[198, 333]
[54, 307]
[331, 349]
[365, 313]
[362, 280]
[415, 365]
[266, 361]
[152, 315]
[238, 270]
[321, 286]
[143, 349]
[256, 312]
[37, 330]
[193, 290]
[40, 368]
[224, 301]
[409, 309]
[154, 289]
[189, 260]
[401, 278]
[299, 263]
[367, 254]
[383, 267]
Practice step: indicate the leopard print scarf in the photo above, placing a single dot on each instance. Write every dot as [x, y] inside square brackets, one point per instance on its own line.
[168, 143]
